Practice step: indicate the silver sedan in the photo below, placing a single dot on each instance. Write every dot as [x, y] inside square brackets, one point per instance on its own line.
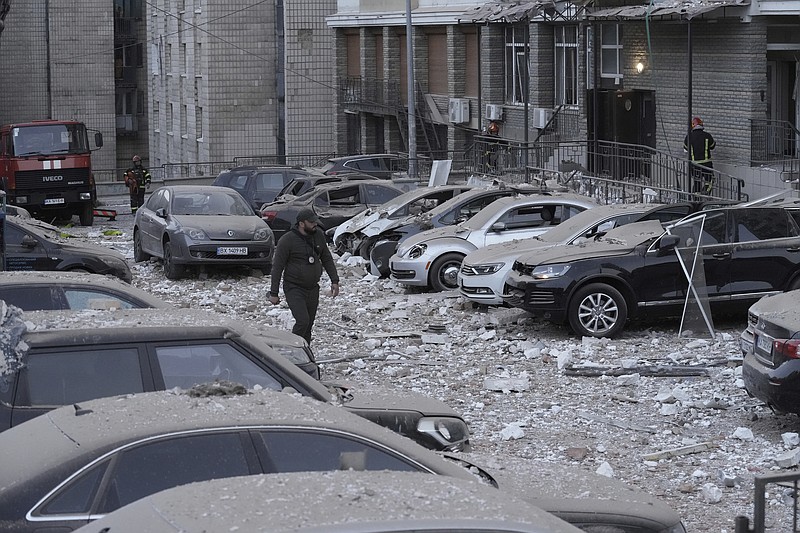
[188, 225]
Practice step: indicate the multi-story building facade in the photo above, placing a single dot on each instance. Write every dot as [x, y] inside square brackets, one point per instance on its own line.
[617, 72]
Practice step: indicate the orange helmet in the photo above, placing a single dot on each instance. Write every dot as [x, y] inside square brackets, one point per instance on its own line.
[697, 121]
[493, 128]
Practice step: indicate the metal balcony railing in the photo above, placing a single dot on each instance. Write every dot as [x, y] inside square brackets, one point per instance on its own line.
[775, 143]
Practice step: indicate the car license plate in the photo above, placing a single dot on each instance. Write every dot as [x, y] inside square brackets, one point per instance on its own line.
[232, 250]
[53, 201]
[764, 343]
[747, 346]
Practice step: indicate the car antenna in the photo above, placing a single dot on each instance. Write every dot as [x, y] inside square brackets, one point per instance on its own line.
[80, 410]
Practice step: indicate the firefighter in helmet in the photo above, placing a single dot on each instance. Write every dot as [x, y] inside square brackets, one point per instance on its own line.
[137, 178]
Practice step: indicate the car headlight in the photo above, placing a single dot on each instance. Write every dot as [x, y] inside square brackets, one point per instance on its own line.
[262, 234]
[452, 433]
[195, 234]
[417, 250]
[549, 271]
[489, 268]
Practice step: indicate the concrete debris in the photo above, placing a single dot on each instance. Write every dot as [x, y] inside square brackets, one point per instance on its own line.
[563, 359]
[512, 431]
[605, 470]
[788, 458]
[711, 493]
[627, 380]
[742, 433]
[577, 453]
[790, 438]
[507, 384]
[677, 452]
[428, 338]
[488, 335]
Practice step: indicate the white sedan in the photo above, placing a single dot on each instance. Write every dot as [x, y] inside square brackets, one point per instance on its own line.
[433, 258]
[483, 272]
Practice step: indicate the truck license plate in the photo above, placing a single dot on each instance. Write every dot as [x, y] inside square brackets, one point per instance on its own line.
[53, 201]
[232, 250]
[764, 343]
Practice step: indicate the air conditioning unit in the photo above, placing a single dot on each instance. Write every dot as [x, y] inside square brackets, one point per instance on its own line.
[458, 110]
[494, 112]
[541, 116]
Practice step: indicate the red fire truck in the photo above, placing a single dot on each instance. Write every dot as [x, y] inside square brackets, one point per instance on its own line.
[45, 167]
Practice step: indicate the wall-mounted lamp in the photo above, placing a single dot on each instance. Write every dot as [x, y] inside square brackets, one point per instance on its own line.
[639, 67]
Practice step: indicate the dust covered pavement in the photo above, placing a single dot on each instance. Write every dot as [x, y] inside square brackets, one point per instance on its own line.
[665, 414]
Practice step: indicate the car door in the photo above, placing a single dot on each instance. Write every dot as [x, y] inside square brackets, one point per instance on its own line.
[338, 204]
[470, 208]
[150, 225]
[704, 250]
[766, 254]
[25, 250]
[58, 376]
[287, 450]
[522, 222]
[145, 467]
[186, 364]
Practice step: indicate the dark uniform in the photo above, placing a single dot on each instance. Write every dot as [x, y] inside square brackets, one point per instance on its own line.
[300, 259]
[137, 178]
[699, 144]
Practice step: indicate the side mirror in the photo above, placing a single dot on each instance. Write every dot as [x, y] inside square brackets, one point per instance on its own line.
[497, 227]
[98, 139]
[29, 242]
[161, 212]
[668, 242]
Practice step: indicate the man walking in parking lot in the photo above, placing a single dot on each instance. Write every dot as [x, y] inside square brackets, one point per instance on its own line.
[300, 256]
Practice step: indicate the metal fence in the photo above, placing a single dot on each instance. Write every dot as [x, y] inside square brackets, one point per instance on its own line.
[630, 166]
[775, 143]
[782, 487]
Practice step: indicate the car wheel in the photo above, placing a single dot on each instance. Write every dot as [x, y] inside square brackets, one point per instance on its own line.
[139, 255]
[86, 214]
[598, 310]
[171, 270]
[444, 272]
[344, 243]
[794, 285]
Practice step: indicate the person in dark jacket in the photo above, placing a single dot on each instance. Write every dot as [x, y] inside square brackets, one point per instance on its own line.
[137, 178]
[699, 144]
[300, 256]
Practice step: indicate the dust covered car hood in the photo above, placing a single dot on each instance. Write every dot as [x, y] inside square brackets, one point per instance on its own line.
[618, 241]
[223, 227]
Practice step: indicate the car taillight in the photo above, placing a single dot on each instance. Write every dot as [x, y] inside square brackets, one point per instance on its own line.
[786, 347]
[269, 216]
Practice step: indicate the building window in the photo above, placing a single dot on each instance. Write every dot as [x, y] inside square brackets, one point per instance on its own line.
[611, 51]
[168, 59]
[184, 120]
[516, 68]
[156, 115]
[198, 121]
[170, 115]
[140, 102]
[184, 66]
[437, 63]
[198, 58]
[471, 57]
[566, 65]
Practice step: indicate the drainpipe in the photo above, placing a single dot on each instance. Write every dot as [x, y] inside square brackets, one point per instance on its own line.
[527, 97]
[412, 111]
[689, 103]
[48, 67]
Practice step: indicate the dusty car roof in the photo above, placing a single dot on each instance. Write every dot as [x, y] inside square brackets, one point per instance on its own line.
[105, 325]
[68, 432]
[78, 279]
[507, 201]
[343, 501]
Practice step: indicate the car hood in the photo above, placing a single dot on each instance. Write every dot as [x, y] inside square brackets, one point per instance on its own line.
[366, 399]
[91, 249]
[358, 222]
[504, 251]
[242, 227]
[573, 494]
[438, 233]
[619, 241]
[780, 310]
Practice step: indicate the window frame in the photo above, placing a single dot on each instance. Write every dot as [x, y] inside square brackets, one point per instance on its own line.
[514, 62]
[566, 83]
[616, 47]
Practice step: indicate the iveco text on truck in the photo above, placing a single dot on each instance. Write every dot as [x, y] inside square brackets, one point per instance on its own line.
[45, 167]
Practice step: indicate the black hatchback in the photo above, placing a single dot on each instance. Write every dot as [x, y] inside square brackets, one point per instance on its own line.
[34, 245]
[260, 185]
[733, 255]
